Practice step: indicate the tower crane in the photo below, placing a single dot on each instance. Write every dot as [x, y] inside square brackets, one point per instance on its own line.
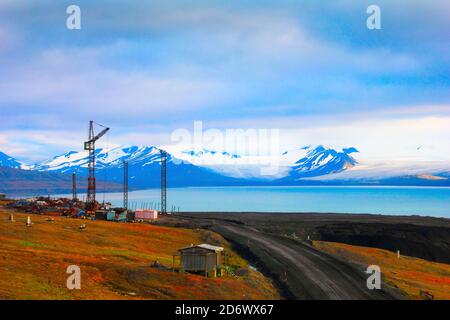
[90, 146]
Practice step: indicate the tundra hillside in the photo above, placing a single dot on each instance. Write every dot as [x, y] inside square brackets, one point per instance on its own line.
[115, 260]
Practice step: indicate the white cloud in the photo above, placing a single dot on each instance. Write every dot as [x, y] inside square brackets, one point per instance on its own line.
[76, 81]
[383, 140]
[416, 136]
[213, 64]
[412, 138]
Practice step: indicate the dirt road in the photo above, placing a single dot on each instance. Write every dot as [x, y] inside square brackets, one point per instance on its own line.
[304, 272]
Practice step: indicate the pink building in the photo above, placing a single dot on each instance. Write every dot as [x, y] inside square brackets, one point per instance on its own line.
[146, 215]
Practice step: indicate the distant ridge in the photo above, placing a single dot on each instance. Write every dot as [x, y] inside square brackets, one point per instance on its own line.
[308, 165]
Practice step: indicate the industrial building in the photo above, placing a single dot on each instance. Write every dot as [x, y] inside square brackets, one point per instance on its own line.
[113, 215]
[204, 258]
[146, 215]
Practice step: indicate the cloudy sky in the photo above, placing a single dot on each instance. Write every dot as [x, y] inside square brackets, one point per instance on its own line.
[146, 68]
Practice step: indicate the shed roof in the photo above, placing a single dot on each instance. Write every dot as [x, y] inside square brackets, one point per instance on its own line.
[204, 246]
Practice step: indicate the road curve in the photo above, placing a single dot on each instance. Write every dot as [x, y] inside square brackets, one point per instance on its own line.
[302, 270]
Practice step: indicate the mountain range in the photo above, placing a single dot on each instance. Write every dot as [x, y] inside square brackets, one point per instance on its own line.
[201, 167]
[308, 165]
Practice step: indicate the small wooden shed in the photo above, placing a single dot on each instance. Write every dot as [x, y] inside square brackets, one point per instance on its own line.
[200, 258]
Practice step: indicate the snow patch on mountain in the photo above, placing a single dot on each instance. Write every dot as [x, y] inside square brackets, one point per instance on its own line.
[221, 162]
[205, 157]
[63, 162]
[10, 162]
[370, 170]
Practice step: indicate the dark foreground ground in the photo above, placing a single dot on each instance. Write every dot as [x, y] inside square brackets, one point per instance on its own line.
[278, 244]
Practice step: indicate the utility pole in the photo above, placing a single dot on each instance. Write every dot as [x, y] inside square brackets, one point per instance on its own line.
[74, 187]
[90, 146]
[125, 185]
[163, 181]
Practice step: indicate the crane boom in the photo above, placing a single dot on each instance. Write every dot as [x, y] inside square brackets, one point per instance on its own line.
[101, 134]
[93, 140]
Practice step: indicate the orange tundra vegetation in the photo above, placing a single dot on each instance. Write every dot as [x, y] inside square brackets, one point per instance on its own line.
[115, 261]
[408, 274]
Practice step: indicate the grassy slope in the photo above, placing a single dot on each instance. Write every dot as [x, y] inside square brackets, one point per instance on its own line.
[114, 260]
[409, 274]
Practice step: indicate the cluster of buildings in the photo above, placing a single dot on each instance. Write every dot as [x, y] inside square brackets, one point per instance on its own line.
[76, 209]
[204, 259]
[123, 215]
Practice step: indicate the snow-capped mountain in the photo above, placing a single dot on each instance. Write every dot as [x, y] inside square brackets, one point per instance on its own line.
[144, 165]
[10, 162]
[303, 162]
[77, 162]
[222, 162]
[17, 178]
[302, 166]
[319, 161]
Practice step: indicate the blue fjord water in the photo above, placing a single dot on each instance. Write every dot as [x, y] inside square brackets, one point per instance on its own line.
[376, 200]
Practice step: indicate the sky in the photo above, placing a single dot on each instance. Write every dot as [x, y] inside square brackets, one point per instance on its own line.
[310, 69]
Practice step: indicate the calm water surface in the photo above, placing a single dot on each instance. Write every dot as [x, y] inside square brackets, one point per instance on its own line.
[376, 200]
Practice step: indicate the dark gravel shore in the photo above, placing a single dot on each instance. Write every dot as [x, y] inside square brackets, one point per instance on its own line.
[278, 244]
[422, 237]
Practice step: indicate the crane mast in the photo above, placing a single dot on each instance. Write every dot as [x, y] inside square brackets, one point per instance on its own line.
[90, 147]
[125, 185]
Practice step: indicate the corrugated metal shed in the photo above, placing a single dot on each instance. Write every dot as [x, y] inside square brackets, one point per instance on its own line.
[204, 258]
